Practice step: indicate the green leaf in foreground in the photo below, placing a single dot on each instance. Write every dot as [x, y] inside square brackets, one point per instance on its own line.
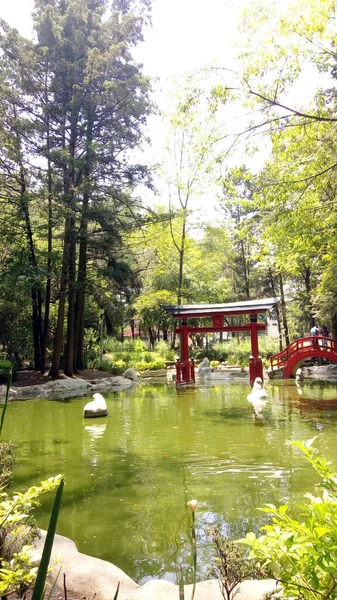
[39, 587]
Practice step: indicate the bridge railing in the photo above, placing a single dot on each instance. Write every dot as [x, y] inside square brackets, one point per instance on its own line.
[303, 346]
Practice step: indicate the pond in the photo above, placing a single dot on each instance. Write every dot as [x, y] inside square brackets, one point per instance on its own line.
[129, 475]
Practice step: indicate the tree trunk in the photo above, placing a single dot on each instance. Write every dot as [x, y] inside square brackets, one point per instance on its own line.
[58, 340]
[334, 326]
[80, 302]
[132, 325]
[69, 350]
[35, 292]
[151, 337]
[82, 261]
[307, 283]
[284, 311]
[49, 255]
[245, 270]
[277, 311]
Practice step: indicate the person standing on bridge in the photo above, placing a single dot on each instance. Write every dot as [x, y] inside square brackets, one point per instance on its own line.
[315, 332]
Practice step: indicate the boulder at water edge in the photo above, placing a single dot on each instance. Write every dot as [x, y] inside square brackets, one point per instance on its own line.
[204, 369]
[96, 408]
[131, 374]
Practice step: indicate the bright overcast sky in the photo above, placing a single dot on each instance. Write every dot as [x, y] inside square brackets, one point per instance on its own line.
[185, 34]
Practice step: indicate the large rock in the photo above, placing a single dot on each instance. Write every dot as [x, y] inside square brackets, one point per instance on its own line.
[157, 373]
[96, 408]
[131, 374]
[113, 384]
[91, 577]
[59, 389]
[204, 370]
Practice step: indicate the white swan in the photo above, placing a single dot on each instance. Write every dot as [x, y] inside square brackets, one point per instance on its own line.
[258, 392]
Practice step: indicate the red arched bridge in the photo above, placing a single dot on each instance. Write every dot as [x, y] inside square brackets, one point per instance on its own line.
[293, 355]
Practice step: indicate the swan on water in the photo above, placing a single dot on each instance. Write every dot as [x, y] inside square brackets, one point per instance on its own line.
[258, 392]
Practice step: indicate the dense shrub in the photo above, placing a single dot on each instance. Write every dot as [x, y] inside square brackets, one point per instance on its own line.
[5, 367]
[155, 365]
[163, 350]
[6, 462]
[118, 367]
[91, 346]
[237, 352]
[17, 533]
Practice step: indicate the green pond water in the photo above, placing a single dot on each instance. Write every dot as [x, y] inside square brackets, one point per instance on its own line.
[129, 475]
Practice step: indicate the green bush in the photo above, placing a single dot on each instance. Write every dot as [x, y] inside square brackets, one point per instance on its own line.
[118, 367]
[210, 353]
[155, 365]
[91, 346]
[237, 352]
[5, 367]
[301, 554]
[163, 350]
[17, 533]
[132, 353]
[105, 365]
[6, 462]
[112, 345]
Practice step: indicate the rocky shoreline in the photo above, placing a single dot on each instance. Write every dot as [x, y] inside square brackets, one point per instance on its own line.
[89, 577]
[60, 389]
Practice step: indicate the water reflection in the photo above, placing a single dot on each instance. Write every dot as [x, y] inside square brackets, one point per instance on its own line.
[95, 431]
[129, 478]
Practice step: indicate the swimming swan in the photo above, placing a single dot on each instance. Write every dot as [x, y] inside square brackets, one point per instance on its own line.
[257, 392]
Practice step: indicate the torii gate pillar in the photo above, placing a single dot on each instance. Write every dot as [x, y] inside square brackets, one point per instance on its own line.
[255, 362]
[185, 367]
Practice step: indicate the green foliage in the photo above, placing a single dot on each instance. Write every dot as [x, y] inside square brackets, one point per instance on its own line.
[17, 532]
[148, 308]
[91, 345]
[7, 461]
[236, 352]
[155, 365]
[105, 365]
[6, 366]
[132, 353]
[119, 367]
[230, 566]
[301, 552]
[163, 350]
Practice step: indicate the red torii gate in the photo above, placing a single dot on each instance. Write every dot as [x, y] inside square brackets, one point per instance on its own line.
[218, 312]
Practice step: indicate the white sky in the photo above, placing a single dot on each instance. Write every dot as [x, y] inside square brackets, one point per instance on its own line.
[186, 34]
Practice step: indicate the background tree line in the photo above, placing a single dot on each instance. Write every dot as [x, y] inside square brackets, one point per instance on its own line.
[76, 242]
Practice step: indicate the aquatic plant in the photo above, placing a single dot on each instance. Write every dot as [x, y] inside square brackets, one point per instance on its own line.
[301, 553]
[192, 504]
[230, 566]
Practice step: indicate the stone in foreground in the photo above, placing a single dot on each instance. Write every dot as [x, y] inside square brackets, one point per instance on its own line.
[90, 577]
[96, 408]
